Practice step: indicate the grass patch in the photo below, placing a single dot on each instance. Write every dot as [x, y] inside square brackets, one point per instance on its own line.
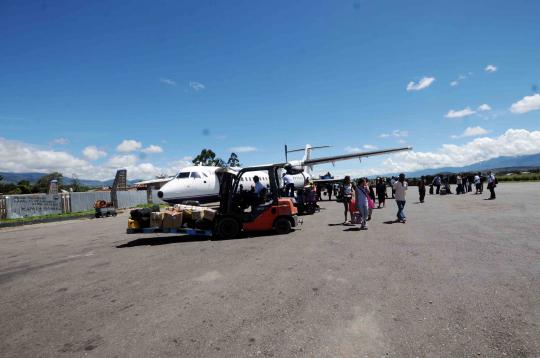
[519, 177]
[50, 216]
[152, 205]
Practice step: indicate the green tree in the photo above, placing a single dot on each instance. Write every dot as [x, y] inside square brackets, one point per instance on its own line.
[75, 182]
[208, 158]
[24, 187]
[233, 160]
[1, 178]
[42, 185]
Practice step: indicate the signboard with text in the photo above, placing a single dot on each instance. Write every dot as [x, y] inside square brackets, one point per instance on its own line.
[32, 205]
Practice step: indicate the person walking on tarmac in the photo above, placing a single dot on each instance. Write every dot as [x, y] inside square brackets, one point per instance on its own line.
[422, 189]
[362, 202]
[381, 192]
[400, 186]
[347, 194]
[437, 184]
[492, 183]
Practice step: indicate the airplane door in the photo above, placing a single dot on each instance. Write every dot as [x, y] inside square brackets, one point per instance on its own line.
[199, 184]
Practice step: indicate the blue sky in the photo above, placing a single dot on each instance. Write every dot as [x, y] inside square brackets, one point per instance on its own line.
[187, 75]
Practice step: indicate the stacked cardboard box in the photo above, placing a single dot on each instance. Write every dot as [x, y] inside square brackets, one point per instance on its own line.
[172, 220]
[156, 219]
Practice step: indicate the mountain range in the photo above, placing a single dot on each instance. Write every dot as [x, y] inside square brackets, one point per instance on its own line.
[34, 177]
[523, 162]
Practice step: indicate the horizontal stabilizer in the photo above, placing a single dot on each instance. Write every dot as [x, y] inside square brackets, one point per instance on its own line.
[322, 160]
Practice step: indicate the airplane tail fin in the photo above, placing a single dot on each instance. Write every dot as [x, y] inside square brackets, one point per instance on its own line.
[307, 151]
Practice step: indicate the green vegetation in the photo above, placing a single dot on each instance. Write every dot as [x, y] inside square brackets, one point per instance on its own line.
[233, 161]
[519, 177]
[41, 186]
[151, 205]
[208, 158]
[50, 216]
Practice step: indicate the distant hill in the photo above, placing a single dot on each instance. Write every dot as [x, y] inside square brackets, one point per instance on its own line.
[523, 162]
[34, 177]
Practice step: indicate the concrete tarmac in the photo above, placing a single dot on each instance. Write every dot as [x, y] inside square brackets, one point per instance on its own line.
[460, 279]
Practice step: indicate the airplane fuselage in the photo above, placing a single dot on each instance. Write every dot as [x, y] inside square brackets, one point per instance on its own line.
[201, 183]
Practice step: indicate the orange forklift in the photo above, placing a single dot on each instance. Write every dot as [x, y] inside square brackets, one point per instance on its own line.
[268, 211]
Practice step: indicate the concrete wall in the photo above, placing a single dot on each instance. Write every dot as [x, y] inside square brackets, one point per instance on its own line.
[85, 201]
[18, 206]
[21, 206]
[129, 199]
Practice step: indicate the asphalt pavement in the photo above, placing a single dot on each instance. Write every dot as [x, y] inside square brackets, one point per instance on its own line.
[460, 279]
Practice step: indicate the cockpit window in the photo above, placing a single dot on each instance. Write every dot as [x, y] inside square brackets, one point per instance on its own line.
[195, 175]
[182, 175]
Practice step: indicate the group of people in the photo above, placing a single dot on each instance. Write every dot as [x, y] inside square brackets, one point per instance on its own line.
[464, 184]
[359, 199]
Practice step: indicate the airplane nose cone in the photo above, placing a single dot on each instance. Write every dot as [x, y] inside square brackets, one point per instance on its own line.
[160, 194]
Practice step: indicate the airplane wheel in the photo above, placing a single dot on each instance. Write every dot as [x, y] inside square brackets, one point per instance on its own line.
[228, 228]
[282, 226]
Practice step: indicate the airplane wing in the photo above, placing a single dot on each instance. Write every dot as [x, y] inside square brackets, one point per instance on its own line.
[336, 158]
[295, 167]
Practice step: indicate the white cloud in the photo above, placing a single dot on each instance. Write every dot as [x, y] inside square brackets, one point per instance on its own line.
[350, 149]
[512, 143]
[425, 82]
[196, 86]
[396, 133]
[129, 145]
[122, 161]
[460, 114]
[93, 153]
[152, 149]
[176, 165]
[454, 83]
[526, 104]
[490, 68]
[20, 157]
[60, 141]
[167, 81]
[400, 133]
[243, 149]
[484, 107]
[472, 132]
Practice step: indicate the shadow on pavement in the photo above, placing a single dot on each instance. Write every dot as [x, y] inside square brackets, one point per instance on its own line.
[353, 229]
[391, 222]
[341, 224]
[165, 240]
[162, 240]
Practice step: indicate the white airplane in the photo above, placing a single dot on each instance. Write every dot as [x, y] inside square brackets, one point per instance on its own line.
[201, 183]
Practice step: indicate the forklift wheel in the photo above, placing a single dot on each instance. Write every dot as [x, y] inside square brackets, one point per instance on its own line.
[228, 228]
[282, 226]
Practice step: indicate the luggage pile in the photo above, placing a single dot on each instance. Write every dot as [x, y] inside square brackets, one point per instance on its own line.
[173, 218]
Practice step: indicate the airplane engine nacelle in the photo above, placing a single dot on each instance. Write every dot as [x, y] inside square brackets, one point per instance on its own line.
[294, 169]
